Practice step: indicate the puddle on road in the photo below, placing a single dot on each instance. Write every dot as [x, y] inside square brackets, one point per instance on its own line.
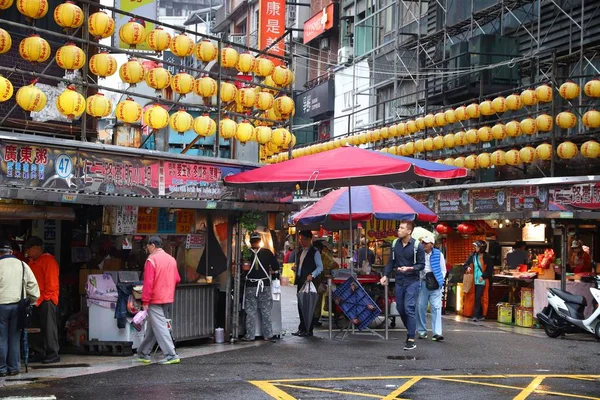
[410, 358]
[23, 380]
[57, 366]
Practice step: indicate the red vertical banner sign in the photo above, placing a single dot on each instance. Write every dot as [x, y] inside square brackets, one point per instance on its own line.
[271, 26]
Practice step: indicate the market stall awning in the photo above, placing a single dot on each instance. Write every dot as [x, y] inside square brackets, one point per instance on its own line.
[345, 166]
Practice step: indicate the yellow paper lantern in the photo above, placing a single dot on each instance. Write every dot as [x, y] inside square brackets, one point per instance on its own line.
[205, 87]
[384, 150]
[6, 4]
[411, 126]
[206, 51]
[499, 131]
[484, 160]
[498, 158]
[439, 161]
[472, 136]
[204, 125]
[183, 83]
[229, 57]
[590, 149]
[182, 45]
[527, 155]
[263, 134]
[419, 146]
[486, 108]
[132, 33]
[159, 40]
[159, 78]
[282, 76]
[264, 101]
[440, 119]
[459, 162]
[592, 88]
[70, 103]
[128, 111]
[263, 67]
[449, 161]
[272, 87]
[485, 134]
[428, 143]
[68, 15]
[228, 92]
[544, 151]
[460, 138]
[513, 129]
[98, 106]
[449, 140]
[294, 140]
[181, 121]
[281, 137]
[591, 119]
[569, 90]
[450, 116]
[420, 123]
[544, 122]
[384, 132]
[409, 149]
[245, 63]
[103, 64]
[393, 131]
[227, 128]
[284, 106]
[461, 113]
[6, 89]
[156, 117]
[471, 162]
[34, 9]
[244, 131]
[514, 102]
[246, 97]
[30, 98]
[567, 150]
[393, 150]
[34, 49]
[512, 157]
[473, 110]
[566, 120]
[429, 121]
[543, 93]
[70, 57]
[438, 142]
[528, 97]
[499, 104]
[528, 126]
[101, 25]
[402, 129]
[5, 41]
[132, 72]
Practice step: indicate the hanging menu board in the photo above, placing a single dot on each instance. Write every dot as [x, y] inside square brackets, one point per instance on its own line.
[488, 200]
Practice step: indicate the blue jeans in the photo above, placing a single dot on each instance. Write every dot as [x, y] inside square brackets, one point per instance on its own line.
[406, 301]
[10, 339]
[434, 298]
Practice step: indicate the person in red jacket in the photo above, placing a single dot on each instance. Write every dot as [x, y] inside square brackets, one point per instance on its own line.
[46, 272]
[160, 279]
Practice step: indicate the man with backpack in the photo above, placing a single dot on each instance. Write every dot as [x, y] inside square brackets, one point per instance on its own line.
[407, 259]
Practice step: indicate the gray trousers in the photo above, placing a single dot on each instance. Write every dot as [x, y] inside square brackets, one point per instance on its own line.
[157, 331]
[46, 317]
[254, 304]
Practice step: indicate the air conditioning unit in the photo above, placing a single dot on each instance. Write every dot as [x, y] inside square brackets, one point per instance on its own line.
[345, 55]
[324, 44]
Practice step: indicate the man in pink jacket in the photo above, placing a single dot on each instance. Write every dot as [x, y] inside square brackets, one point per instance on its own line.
[160, 278]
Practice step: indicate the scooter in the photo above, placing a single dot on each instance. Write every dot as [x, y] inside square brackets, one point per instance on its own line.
[564, 313]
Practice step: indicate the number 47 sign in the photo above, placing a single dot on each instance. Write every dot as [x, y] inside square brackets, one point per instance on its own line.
[63, 166]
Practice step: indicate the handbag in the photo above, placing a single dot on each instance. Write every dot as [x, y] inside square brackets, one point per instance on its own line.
[467, 282]
[24, 309]
[430, 282]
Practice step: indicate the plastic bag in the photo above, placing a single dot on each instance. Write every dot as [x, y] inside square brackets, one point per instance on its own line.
[139, 319]
[308, 287]
[276, 289]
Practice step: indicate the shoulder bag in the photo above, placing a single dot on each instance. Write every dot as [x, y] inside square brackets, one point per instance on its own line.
[25, 309]
[430, 282]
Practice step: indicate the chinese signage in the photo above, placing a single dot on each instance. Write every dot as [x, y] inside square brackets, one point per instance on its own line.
[125, 220]
[147, 220]
[185, 180]
[319, 23]
[427, 199]
[316, 101]
[143, 8]
[164, 220]
[586, 196]
[455, 201]
[271, 21]
[527, 198]
[488, 200]
[195, 241]
[49, 231]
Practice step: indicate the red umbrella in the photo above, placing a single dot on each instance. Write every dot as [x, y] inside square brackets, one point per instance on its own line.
[344, 166]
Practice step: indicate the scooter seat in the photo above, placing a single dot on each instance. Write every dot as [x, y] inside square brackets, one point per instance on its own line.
[570, 298]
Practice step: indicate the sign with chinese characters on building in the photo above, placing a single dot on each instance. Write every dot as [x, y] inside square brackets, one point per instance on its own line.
[527, 198]
[188, 180]
[316, 101]
[488, 200]
[453, 201]
[125, 220]
[583, 196]
[271, 22]
[320, 23]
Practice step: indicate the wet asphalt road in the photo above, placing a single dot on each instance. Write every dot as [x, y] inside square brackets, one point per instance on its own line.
[475, 359]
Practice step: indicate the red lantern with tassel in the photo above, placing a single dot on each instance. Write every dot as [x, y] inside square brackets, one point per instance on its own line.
[466, 229]
[443, 228]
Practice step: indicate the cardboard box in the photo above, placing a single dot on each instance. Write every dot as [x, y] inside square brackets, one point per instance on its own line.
[83, 276]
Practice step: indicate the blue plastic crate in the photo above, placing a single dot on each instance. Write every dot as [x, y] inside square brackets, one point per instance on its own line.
[355, 302]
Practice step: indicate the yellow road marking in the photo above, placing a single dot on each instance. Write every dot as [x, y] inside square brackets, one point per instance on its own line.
[349, 378]
[478, 383]
[402, 389]
[330, 390]
[577, 396]
[272, 390]
[530, 388]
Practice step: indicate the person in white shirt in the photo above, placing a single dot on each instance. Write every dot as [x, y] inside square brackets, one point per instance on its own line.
[432, 284]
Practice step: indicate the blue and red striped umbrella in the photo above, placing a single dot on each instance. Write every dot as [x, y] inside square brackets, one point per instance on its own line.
[367, 202]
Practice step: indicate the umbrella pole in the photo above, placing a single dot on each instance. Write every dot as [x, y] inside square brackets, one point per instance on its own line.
[351, 233]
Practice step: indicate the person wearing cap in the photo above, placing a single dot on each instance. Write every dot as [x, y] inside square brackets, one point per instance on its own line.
[481, 265]
[309, 266]
[580, 261]
[517, 256]
[45, 314]
[161, 277]
[435, 266]
[329, 264]
[257, 289]
[408, 260]
[365, 253]
[16, 279]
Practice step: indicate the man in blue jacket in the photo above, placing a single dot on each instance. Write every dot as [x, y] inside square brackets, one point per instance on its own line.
[407, 258]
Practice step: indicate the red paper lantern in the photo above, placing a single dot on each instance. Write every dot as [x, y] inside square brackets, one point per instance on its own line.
[443, 229]
[466, 229]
